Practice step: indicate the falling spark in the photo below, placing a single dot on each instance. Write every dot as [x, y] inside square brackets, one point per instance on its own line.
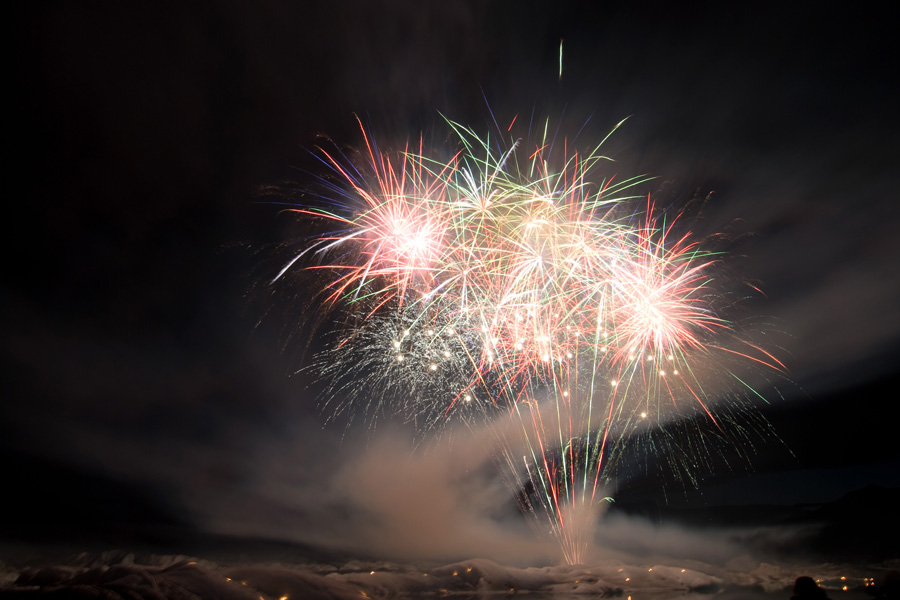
[560, 58]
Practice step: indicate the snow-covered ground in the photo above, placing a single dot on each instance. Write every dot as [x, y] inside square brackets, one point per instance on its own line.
[118, 575]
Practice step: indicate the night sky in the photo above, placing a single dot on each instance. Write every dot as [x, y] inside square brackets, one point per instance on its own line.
[149, 385]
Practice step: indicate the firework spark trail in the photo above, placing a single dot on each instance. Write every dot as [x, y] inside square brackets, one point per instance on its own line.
[495, 285]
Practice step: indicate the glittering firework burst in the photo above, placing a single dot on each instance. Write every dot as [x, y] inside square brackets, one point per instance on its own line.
[509, 282]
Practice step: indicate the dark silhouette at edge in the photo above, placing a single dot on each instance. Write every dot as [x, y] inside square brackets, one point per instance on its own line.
[806, 588]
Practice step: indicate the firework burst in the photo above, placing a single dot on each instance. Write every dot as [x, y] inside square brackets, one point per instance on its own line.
[515, 280]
